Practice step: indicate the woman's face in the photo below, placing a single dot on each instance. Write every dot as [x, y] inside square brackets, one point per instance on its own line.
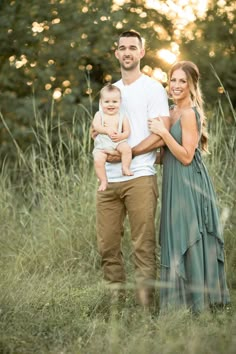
[179, 88]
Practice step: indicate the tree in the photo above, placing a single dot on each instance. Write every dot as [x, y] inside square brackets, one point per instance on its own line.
[63, 48]
[210, 42]
[55, 55]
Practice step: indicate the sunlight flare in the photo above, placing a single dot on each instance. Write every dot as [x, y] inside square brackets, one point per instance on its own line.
[167, 56]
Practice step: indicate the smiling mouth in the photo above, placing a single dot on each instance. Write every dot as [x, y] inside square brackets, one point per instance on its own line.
[176, 92]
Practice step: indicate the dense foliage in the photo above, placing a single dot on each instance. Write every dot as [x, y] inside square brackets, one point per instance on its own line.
[210, 42]
[66, 47]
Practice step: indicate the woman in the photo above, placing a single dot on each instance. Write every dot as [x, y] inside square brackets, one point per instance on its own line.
[192, 246]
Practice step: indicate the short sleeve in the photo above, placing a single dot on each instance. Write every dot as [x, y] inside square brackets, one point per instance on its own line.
[157, 101]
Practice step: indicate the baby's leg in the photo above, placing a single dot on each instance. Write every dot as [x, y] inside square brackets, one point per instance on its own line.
[126, 158]
[99, 165]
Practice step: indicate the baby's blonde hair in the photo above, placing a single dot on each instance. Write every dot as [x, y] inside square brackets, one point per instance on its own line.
[109, 88]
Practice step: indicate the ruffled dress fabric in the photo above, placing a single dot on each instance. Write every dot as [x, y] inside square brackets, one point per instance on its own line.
[191, 238]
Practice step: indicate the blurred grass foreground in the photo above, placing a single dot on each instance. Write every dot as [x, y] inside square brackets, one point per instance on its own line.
[52, 299]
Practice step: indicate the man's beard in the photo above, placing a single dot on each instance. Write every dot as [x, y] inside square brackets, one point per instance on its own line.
[129, 67]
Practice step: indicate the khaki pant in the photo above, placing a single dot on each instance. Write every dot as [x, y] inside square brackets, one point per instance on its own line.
[137, 198]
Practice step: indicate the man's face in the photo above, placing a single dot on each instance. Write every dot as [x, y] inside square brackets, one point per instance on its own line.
[129, 53]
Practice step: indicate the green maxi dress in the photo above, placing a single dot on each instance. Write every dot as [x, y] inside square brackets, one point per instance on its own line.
[191, 239]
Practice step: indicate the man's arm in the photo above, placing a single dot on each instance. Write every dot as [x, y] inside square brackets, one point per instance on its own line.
[152, 142]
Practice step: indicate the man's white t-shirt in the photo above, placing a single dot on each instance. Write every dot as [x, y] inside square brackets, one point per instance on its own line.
[143, 99]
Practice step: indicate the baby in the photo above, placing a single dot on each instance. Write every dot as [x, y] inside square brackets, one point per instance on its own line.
[113, 130]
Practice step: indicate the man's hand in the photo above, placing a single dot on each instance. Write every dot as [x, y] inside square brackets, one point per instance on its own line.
[93, 132]
[113, 156]
[159, 156]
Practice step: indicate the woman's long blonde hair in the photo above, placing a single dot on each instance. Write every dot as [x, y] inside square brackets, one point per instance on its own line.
[193, 75]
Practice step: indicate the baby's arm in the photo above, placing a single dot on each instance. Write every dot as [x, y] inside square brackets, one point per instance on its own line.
[99, 128]
[125, 131]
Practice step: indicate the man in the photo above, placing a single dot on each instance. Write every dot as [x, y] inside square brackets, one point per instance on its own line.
[142, 98]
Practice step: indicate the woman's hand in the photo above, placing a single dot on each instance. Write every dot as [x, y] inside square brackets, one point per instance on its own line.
[157, 126]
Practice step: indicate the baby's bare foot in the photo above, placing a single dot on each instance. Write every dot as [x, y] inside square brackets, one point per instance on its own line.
[127, 172]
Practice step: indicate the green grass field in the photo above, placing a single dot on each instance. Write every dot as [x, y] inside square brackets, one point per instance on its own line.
[52, 297]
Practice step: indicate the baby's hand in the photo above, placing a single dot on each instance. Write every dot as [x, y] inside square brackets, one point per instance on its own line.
[110, 131]
[116, 137]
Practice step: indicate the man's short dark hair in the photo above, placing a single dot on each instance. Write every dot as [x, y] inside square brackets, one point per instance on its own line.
[132, 33]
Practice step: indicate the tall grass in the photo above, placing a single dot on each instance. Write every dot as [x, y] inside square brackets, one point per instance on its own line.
[52, 299]
[222, 167]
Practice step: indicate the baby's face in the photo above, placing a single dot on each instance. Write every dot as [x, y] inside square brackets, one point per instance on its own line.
[110, 102]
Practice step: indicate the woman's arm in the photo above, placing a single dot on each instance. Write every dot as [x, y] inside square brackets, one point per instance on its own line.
[185, 152]
[152, 142]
